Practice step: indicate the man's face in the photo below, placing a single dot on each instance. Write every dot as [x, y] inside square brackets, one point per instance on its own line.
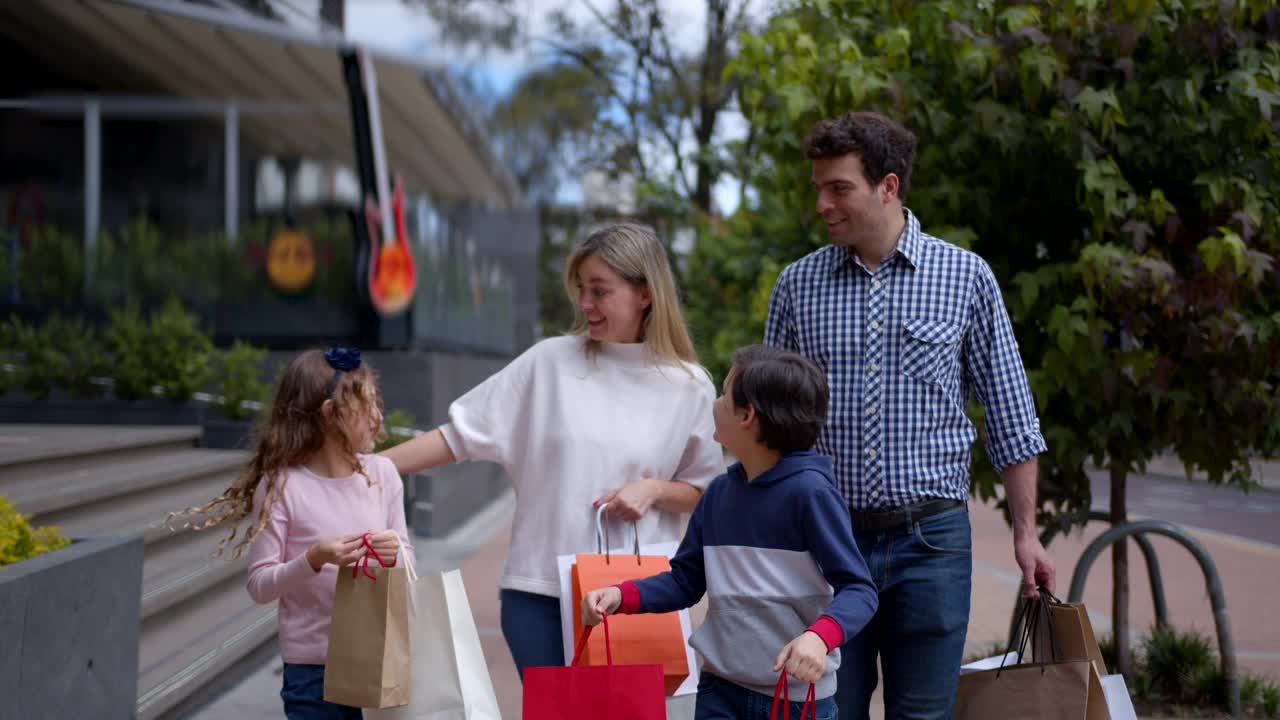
[854, 211]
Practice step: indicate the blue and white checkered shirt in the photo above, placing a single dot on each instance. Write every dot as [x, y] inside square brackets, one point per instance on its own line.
[901, 348]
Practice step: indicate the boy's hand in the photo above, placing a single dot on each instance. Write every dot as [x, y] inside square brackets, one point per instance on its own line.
[805, 658]
[599, 603]
[338, 551]
[387, 545]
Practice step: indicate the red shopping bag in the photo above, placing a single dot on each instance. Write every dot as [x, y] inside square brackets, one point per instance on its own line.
[808, 711]
[616, 692]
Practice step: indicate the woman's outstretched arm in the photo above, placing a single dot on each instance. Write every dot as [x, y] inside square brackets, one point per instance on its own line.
[424, 452]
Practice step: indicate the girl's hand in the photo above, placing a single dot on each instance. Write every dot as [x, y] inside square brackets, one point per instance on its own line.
[599, 603]
[631, 501]
[387, 544]
[339, 551]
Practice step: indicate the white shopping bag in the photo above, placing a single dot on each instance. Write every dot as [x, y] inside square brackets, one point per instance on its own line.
[450, 676]
[1119, 704]
[991, 663]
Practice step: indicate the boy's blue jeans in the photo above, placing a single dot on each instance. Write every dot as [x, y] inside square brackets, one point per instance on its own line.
[719, 699]
[303, 696]
[924, 573]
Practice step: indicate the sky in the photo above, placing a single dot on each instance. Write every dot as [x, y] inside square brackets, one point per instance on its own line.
[395, 25]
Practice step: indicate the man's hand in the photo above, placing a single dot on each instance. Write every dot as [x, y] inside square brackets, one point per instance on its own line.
[387, 545]
[805, 658]
[599, 603]
[1037, 567]
[631, 501]
[339, 551]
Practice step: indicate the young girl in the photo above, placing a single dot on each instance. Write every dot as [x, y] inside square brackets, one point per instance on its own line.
[311, 493]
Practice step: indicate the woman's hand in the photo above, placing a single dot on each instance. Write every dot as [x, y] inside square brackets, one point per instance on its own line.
[631, 501]
[339, 551]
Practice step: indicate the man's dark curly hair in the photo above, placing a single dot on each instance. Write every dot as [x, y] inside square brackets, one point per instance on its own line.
[883, 145]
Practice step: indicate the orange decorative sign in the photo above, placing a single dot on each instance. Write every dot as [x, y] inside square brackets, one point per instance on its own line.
[291, 261]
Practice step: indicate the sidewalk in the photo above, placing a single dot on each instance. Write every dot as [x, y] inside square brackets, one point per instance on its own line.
[1247, 569]
[1266, 473]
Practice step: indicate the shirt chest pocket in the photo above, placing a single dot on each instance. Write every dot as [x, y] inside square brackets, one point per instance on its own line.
[931, 350]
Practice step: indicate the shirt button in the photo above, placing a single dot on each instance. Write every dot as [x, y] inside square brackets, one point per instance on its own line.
[871, 453]
[875, 367]
[871, 410]
[875, 494]
[875, 325]
[876, 285]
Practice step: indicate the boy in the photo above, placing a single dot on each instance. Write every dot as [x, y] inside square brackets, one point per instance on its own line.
[770, 544]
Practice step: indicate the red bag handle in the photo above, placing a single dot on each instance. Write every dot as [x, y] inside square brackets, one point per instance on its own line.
[808, 710]
[364, 565]
[582, 643]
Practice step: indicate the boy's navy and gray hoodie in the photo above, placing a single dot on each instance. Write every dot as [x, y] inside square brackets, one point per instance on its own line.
[775, 557]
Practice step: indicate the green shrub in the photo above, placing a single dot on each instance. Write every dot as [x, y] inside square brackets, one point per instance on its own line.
[240, 378]
[1271, 701]
[1179, 664]
[34, 358]
[51, 268]
[19, 541]
[179, 352]
[77, 355]
[129, 342]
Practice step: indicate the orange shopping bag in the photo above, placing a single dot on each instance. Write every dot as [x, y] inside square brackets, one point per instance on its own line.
[637, 639]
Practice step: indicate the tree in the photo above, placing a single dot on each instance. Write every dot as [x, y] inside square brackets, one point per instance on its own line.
[1112, 161]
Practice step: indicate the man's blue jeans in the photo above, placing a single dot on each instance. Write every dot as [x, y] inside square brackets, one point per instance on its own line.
[719, 699]
[924, 573]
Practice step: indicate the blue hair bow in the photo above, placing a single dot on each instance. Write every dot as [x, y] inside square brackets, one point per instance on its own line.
[340, 359]
[343, 358]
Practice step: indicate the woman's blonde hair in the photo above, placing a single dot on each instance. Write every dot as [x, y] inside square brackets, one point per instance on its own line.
[635, 253]
[291, 432]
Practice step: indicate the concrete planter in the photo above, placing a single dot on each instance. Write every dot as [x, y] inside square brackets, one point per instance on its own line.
[69, 620]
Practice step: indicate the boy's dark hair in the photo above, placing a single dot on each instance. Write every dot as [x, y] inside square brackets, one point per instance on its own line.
[788, 392]
[883, 145]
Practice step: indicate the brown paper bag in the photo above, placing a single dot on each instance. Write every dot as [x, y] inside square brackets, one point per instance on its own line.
[1055, 691]
[369, 661]
[1074, 631]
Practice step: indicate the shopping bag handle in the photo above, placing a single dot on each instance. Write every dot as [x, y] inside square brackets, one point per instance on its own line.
[363, 564]
[602, 536]
[808, 711]
[1029, 627]
[582, 642]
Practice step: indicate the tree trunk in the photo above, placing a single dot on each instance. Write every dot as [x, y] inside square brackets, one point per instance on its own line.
[1120, 572]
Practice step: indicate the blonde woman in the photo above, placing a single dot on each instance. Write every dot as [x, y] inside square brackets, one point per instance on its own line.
[617, 411]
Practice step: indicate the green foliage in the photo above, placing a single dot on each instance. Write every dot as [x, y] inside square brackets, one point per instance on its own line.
[1113, 162]
[129, 341]
[19, 541]
[239, 378]
[398, 418]
[179, 352]
[63, 352]
[52, 268]
[170, 352]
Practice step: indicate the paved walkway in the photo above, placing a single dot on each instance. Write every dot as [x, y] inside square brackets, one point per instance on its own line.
[1248, 569]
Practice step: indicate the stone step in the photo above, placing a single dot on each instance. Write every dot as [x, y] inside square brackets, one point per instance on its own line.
[43, 492]
[61, 448]
[185, 567]
[141, 514]
[185, 650]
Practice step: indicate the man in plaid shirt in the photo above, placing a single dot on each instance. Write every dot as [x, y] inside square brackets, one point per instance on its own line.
[906, 326]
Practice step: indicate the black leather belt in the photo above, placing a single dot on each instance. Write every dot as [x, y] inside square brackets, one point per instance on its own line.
[884, 519]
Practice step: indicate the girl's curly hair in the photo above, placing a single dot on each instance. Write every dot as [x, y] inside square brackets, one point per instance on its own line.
[290, 434]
